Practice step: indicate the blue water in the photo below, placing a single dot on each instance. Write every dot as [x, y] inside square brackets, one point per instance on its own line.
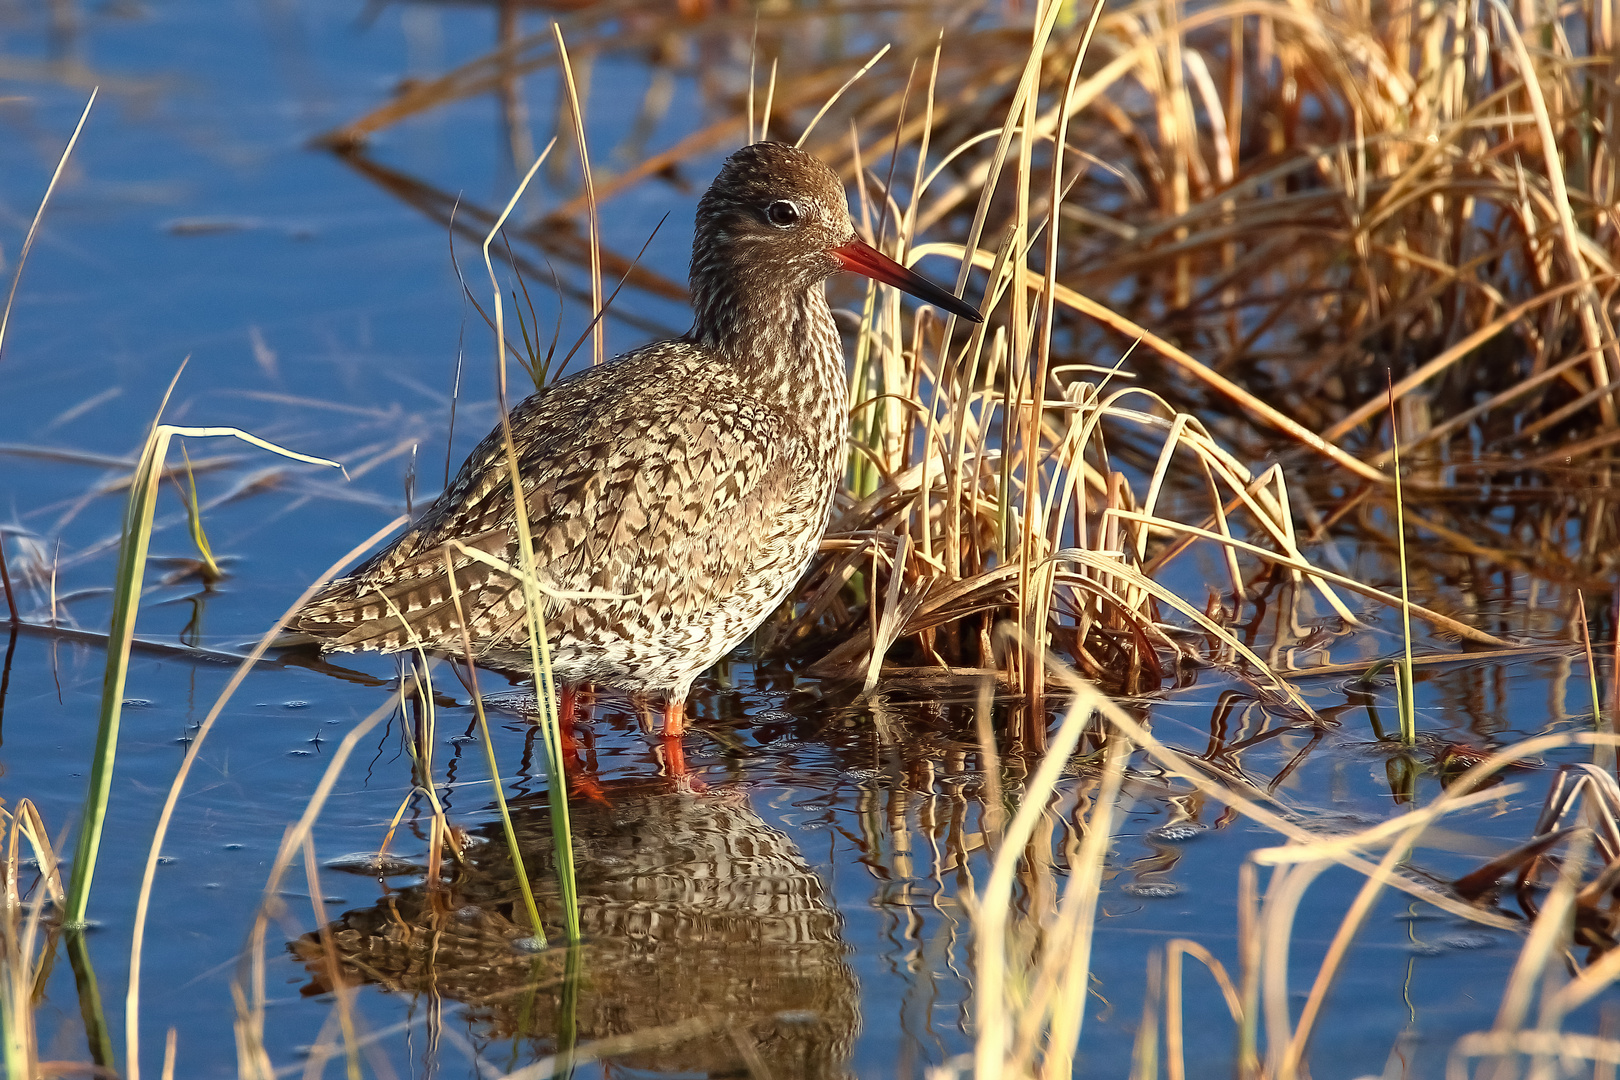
[314, 309]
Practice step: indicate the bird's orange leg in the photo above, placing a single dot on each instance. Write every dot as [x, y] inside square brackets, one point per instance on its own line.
[673, 748]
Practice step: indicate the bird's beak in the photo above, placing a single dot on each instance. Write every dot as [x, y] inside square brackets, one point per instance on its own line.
[859, 257]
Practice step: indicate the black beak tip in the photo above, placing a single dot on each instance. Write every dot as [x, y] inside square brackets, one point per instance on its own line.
[941, 297]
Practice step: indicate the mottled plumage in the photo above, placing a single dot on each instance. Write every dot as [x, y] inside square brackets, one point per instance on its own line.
[691, 478]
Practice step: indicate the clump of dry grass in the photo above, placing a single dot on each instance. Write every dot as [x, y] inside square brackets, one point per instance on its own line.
[1031, 960]
[1295, 200]
[27, 940]
[1300, 196]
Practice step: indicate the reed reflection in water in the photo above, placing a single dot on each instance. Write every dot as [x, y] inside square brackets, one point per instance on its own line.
[693, 908]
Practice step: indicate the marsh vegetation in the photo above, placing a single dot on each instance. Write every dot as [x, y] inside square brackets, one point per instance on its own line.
[1242, 591]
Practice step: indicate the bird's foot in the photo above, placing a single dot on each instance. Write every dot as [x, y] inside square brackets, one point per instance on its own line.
[580, 775]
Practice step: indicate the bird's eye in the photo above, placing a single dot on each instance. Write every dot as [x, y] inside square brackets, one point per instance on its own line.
[782, 213]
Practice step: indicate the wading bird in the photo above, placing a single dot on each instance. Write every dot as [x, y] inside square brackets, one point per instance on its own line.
[676, 494]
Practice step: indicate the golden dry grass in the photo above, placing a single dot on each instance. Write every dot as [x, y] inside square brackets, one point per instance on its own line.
[1277, 205]
[1205, 236]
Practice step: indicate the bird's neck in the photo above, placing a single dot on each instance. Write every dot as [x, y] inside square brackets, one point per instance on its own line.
[785, 348]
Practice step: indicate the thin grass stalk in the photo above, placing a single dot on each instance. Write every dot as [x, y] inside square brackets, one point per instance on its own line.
[898, 381]
[1249, 953]
[770, 99]
[967, 377]
[137, 535]
[1177, 138]
[1405, 702]
[18, 1034]
[546, 698]
[11, 607]
[917, 367]
[1602, 753]
[1174, 1043]
[17, 1027]
[194, 524]
[753, 57]
[1071, 470]
[598, 344]
[865, 419]
[889, 201]
[830, 102]
[1145, 1047]
[420, 742]
[1040, 582]
[534, 608]
[936, 384]
[513, 850]
[253, 1057]
[33, 229]
[880, 322]
[993, 809]
[127, 596]
[419, 745]
[1021, 443]
[568, 1006]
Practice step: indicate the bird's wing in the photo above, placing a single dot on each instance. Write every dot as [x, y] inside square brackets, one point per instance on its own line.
[635, 488]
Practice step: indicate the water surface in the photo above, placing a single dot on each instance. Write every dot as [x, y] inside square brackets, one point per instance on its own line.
[797, 900]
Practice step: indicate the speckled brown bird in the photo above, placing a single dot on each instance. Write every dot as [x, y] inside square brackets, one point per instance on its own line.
[692, 479]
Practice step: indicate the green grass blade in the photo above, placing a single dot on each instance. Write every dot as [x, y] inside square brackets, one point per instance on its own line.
[507, 827]
[534, 606]
[211, 571]
[1405, 701]
[132, 552]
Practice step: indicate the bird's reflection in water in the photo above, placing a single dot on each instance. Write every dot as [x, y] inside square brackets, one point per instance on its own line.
[693, 909]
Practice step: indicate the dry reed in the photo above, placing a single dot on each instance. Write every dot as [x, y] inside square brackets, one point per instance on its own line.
[1300, 201]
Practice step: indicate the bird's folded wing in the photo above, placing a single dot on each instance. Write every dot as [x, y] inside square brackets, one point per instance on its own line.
[661, 500]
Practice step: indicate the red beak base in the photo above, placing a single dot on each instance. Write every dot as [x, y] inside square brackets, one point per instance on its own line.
[859, 257]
